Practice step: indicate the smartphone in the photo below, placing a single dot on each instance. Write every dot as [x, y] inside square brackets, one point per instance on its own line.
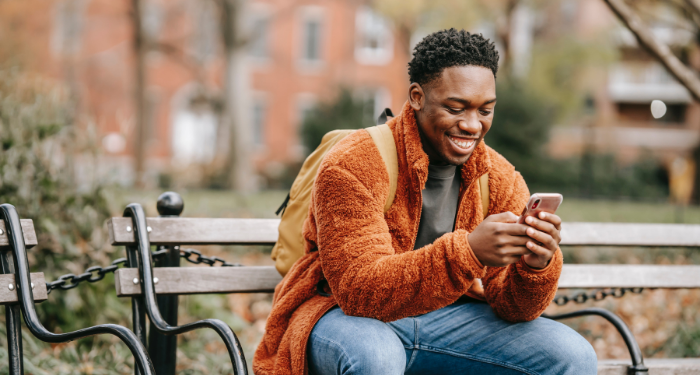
[539, 202]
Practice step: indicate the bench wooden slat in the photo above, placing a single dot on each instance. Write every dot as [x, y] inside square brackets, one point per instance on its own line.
[27, 229]
[197, 231]
[202, 231]
[657, 366]
[630, 234]
[201, 280]
[8, 296]
[204, 280]
[629, 276]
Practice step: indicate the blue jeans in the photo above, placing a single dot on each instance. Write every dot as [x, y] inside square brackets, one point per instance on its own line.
[463, 338]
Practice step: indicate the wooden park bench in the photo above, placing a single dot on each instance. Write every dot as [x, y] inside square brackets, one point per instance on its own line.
[168, 232]
[19, 290]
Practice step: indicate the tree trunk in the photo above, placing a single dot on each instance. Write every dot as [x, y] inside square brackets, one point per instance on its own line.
[503, 32]
[141, 128]
[236, 101]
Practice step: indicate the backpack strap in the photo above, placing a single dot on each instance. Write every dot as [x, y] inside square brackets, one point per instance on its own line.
[384, 116]
[381, 134]
[484, 190]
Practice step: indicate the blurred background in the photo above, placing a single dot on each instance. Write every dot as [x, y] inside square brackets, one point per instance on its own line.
[104, 103]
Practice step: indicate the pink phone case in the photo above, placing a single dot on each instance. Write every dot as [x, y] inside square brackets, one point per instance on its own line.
[547, 202]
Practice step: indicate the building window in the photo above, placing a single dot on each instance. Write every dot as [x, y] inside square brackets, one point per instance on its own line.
[311, 36]
[203, 42]
[312, 40]
[259, 45]
[258, 117]
[374, 43]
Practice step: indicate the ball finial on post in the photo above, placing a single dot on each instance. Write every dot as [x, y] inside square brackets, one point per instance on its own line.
[170, 203]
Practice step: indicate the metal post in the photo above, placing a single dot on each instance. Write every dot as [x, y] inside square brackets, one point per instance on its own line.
[13, 322]
[138, 311]
[162, 348]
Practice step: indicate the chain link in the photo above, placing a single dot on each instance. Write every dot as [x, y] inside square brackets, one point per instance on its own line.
[97, 273]
[211, 261]
[91, 275]
[596, 295]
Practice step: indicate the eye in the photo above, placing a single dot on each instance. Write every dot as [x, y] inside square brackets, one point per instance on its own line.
[484, 112]
[455, 110]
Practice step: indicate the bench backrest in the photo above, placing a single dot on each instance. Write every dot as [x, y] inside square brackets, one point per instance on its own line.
[8, 290]
[205, 231]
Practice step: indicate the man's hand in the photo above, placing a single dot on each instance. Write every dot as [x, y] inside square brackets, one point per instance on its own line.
[499, 241]
[545, 231]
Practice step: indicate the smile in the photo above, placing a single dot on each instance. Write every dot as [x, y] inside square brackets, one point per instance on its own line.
[462, 143]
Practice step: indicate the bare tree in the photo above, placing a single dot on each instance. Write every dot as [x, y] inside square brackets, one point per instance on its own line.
[235, 102]
[141, 134]
[685, 75]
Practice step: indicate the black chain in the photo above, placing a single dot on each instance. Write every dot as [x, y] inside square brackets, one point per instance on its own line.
[211, 261]
[91, 275]
[596, 295]
[97, 273]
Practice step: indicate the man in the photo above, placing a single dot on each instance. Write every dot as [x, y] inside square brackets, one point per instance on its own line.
[397, 293]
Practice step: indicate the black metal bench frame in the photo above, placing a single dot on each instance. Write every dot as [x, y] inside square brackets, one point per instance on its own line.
[14, 262]
[170, 231]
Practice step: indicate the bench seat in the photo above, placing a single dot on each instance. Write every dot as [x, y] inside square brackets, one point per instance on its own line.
[173, 232]
[661, 366]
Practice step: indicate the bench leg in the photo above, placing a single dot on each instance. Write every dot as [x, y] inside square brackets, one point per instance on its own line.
[14, 339]
[637, 367]
[138, 311]
[163, 348]
[13, 323]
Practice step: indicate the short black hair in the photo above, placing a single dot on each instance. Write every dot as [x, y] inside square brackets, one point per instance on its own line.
[447, 48]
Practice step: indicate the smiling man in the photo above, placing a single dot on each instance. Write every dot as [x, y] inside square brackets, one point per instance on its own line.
[399, 292]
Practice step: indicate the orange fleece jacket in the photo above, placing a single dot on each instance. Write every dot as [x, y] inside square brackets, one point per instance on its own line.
[367, 256]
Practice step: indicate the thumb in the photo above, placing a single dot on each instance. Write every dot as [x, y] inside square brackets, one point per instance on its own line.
[504, 217]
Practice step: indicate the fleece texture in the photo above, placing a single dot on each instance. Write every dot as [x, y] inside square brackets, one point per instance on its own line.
[367, 257]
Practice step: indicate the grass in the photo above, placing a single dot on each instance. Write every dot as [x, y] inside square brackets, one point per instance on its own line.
[221, 203]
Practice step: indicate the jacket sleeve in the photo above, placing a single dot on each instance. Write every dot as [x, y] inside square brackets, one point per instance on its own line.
[517, 292]
[366, 275]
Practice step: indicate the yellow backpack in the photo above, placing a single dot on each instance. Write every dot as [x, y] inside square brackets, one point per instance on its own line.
[295, 209]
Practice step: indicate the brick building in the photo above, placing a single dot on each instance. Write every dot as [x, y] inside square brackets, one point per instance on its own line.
[298, 53]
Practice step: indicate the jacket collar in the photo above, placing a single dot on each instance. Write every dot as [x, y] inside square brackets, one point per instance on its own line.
[405, 124]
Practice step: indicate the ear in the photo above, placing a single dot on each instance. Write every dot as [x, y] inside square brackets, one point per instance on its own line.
[416, 96]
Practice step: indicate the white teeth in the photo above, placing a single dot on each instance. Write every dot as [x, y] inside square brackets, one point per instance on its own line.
[463, 144]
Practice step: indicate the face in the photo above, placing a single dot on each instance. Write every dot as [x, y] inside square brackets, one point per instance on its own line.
[454, 112]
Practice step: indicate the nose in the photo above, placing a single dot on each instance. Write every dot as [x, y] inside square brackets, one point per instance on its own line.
[470, 124]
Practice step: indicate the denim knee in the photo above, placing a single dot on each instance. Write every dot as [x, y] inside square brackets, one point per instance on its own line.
[351, 345]
[574, 354]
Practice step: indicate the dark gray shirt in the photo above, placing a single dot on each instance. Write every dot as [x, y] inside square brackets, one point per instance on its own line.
[440, 200]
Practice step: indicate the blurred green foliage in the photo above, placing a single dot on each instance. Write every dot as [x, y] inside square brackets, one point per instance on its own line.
[520, 132]
[38, 139]
[346, 111]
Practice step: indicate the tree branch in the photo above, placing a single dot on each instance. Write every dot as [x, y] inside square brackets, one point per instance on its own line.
[662, 52]
[694, 5]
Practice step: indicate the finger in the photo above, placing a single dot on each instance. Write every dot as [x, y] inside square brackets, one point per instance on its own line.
[542, 238]
[539, 250]
[552, 218]
[504, 217]
[514, 229]
[516, 250]
[545, 227]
